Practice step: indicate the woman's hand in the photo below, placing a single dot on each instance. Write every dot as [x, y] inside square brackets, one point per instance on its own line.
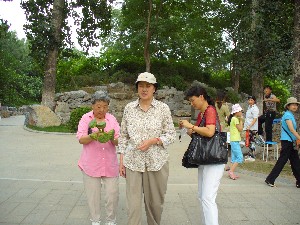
[144, 146]
[185, 123]
[298, 143]
[122, 171]
[189, 132]
[115, 141]
[122, 168]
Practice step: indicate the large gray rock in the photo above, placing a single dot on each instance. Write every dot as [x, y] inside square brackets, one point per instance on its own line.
[41, 116]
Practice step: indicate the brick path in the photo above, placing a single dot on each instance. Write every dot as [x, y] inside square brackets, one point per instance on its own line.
[41, 184]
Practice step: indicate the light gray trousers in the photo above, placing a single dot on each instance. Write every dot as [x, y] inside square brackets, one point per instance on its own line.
[92, 187]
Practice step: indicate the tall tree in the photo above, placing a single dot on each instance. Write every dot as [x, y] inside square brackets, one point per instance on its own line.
[48, 32]
[257, 75]
[51, 58]
[296, 55]
[148, 39]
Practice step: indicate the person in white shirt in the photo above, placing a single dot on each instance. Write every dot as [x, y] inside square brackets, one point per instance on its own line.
[251, 125]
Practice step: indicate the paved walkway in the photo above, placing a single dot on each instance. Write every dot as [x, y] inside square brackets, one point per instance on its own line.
[41, 184]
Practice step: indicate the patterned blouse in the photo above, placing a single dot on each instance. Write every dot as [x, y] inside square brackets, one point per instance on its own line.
[138, 125]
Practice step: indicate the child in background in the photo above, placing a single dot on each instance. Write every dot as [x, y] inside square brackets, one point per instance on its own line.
[235, 122]
[251, 126]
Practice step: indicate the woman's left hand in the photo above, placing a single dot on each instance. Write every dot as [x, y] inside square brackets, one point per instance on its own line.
[185, 123]
[144, 146]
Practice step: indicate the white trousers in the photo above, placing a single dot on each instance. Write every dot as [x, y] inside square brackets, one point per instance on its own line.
[209, 177]
[92, 187]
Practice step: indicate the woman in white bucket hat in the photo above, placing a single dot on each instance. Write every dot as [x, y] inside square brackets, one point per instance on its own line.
[289, 139]
[147, 130]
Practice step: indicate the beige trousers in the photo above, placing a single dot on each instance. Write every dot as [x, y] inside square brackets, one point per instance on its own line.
[154, 186]
[92, 187]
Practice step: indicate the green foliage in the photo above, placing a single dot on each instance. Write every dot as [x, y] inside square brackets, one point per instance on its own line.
[175, 80]
[94, 23]
[75, 117]
[77, 71]
[260, 42]
[20, 82]
[39, 28]
[220, 79]
[122, 76]
[232, 96]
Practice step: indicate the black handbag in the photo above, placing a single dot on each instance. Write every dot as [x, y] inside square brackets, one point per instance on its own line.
[206, 150]
[185, 160]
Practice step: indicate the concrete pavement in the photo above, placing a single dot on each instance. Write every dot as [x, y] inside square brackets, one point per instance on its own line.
[41, 184]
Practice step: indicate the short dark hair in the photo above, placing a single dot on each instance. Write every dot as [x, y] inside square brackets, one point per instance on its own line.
[268, 86]
[197, 90]
[252, 97]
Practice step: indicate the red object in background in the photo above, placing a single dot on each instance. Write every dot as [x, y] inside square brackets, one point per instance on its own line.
[247, 142]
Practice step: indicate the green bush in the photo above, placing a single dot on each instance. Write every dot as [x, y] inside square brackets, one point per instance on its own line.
[233, 97]
[75, 117]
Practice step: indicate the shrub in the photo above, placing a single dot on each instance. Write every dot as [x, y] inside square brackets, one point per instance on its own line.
[75, 117]
[233, 97]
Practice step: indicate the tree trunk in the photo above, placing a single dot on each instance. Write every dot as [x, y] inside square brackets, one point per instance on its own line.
[51, 61]
[257, 89]
[148, 38]
[296, 56]
[257, 77]
[235, 77]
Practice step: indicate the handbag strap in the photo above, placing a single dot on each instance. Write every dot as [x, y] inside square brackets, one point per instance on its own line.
[218, 126]
[287, 133]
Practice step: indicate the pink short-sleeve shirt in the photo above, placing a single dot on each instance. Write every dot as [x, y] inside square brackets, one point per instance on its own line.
[98, 159]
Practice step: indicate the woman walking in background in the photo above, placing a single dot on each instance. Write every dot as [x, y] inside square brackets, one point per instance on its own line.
[236, 126]
[223, 111]
[288, 137]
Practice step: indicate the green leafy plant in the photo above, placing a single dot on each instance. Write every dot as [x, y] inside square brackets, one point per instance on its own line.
[75, 117]
[233, 96]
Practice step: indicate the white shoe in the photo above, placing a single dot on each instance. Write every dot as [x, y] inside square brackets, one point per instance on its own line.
[110, 223]
[96, 223]
[250, 159]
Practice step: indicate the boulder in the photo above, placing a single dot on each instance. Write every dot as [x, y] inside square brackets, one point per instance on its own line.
[41, 116]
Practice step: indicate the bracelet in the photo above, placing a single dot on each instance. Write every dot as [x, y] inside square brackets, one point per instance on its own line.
[158, 140]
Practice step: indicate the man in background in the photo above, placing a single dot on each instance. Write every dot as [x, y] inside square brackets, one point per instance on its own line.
[269, 114]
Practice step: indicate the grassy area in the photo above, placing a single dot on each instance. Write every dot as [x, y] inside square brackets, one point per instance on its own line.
[59, 129]
[260, 166]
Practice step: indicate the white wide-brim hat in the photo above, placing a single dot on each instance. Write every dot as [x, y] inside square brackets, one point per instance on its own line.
[147, 77]
[291, 100]
[236, 108]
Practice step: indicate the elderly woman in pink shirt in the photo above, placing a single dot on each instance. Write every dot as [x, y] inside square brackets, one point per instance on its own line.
[98, 161]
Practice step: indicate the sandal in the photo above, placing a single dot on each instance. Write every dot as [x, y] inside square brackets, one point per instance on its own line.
[231, 175]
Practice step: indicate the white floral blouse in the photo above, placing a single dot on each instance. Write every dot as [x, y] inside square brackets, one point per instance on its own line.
[138, 125]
